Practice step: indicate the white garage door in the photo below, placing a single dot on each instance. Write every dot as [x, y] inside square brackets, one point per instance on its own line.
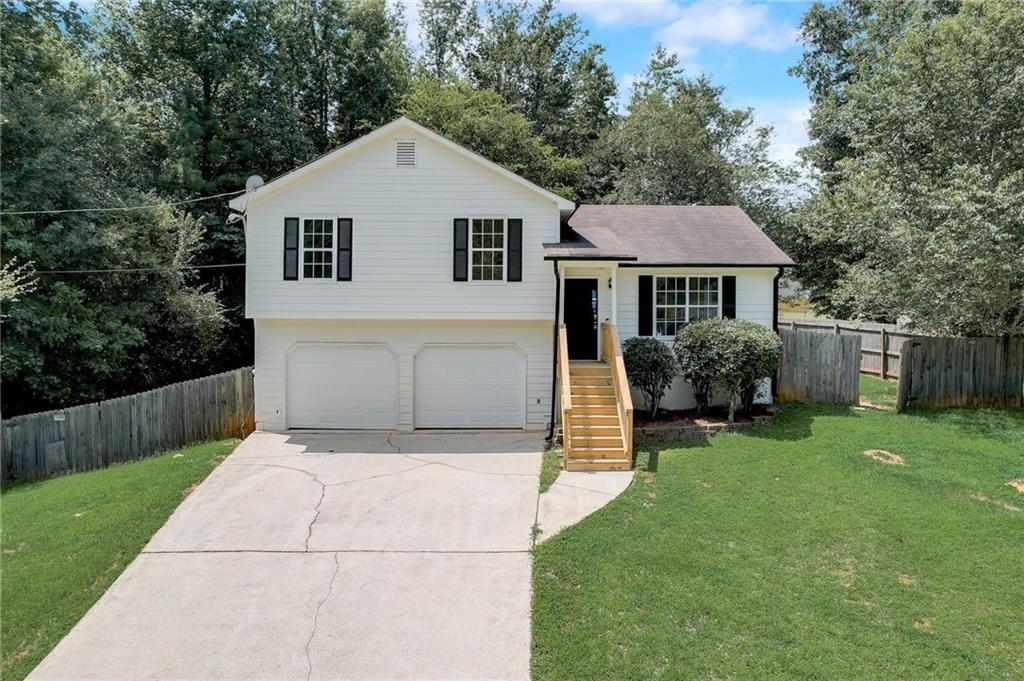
[470, 387]
[342, 386]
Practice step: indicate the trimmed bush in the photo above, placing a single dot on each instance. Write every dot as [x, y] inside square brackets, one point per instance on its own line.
[733, 354]
[701, 351]
[650, 367]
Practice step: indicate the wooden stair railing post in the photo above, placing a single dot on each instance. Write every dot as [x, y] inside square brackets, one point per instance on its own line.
[566, 393]
[612, 353]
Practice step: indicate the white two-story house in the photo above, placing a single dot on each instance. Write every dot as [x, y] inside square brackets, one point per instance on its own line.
[404, 282]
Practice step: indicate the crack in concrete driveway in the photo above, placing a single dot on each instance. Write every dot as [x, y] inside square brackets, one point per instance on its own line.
[426, 566]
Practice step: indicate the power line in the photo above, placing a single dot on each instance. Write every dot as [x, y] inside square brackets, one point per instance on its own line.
[117, 208]
[141, 269]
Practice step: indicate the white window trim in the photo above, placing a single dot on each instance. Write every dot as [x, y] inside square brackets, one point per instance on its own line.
[654, 303]
[334, 249]
[504, 251]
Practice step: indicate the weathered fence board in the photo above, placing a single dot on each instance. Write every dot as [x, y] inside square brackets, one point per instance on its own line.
[962, 372]
[819, 368]
[881, 344]
[126, 428]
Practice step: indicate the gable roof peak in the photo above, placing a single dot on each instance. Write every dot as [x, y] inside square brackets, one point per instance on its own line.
[239, 203]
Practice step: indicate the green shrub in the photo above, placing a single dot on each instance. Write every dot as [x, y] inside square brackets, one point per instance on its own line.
[650, 367]
[701, 351]
[728, 353]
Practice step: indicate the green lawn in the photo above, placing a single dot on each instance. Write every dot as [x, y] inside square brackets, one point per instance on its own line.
[550, 467]
[787, 553]
[65, 540]
[878, 392]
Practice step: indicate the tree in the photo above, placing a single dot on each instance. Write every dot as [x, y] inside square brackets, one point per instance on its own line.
[449, 30]
[483, 122]
[650, 368]
[542, 63]
[78, 337]
[843, 41]
[927, 207]
[680, 144]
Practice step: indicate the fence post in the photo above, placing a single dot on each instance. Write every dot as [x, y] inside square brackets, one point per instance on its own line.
[885, 352]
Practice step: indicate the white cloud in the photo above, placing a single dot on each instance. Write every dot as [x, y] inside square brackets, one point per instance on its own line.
[726, 24]
[789, 119]
[624, 12]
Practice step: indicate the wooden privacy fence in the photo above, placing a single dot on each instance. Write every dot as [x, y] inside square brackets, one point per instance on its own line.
[962, 372]
[127, 428]
[819, 368]
[881, 345]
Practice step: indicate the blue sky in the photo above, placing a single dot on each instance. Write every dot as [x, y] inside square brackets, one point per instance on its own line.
[745, 46]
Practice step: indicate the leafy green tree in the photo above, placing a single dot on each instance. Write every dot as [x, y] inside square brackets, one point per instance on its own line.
[923, 220]
[482, 121]
[843, 40]
[541, 62]
[74, 337]
[449, 30]
[680, 144]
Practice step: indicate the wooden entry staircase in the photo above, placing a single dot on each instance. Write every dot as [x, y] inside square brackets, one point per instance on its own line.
[597, 410]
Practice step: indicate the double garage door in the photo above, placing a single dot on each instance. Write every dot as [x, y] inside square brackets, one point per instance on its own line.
[359, 386]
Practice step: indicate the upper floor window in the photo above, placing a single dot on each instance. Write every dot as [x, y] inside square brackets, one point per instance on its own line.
[318, 248]
[680, 300]
[487, 249]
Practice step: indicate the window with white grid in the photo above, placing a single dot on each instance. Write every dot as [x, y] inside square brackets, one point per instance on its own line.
[318, 248]
[487, 249]
[680, 300]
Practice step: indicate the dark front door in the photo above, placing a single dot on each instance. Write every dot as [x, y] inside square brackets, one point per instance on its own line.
[581, 317]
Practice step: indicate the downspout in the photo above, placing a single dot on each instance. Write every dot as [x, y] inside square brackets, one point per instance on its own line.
[775, 328]
[563, 227]
[554, 354]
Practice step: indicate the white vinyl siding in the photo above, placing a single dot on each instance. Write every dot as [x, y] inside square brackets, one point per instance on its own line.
[275, 339]
[402, 239]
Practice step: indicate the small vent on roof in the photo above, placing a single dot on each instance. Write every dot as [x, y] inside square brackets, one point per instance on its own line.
[405, 154]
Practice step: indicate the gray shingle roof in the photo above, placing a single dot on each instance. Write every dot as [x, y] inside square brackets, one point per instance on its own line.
[667, 235]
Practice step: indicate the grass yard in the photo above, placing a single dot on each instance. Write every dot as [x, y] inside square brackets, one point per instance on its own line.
[550, 467]
[877, 392]
[65, 540]
[788, 553]
[797, 309]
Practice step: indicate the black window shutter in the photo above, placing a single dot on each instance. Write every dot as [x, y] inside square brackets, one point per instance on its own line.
[729, 297]
[460, 269]
[291, 249]
[344, 249]
[645, 305]
[515, 249]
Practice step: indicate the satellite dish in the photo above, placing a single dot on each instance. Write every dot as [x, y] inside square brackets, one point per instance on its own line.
[253, 183]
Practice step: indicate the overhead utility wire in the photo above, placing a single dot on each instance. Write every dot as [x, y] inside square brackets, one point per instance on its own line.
[117, 208]
[134, 269]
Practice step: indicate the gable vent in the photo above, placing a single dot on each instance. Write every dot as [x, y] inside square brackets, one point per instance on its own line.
[405, 154]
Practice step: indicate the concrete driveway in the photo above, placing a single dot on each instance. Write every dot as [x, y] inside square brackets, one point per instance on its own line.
[340, 556]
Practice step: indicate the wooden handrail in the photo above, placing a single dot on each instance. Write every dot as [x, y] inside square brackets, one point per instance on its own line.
[611, 352]
[566, 395]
